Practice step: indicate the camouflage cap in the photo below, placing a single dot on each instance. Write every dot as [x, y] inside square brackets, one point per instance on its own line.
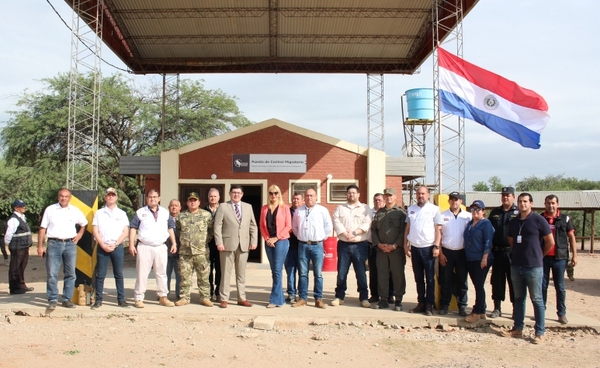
[389, 191]
[193, 195]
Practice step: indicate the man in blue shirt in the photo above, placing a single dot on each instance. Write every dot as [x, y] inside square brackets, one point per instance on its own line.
[530, 238]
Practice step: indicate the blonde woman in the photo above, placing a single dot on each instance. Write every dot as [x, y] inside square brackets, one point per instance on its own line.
[275, 225]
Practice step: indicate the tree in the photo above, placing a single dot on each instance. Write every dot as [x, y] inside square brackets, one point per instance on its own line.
[495, 185]
[560, 183]
[130, 125]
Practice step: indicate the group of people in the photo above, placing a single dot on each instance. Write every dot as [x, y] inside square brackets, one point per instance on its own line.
[520, 246]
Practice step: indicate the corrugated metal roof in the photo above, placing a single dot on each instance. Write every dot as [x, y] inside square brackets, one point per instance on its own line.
[347, 36]
[143, 165]
[408, 167]
[566, 199]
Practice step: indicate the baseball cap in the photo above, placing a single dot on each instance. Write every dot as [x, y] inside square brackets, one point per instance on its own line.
[478, 203]
[508, 190]
[111, 190]
[193, 195]
[455, 195]
[389, 191]
[18, 203]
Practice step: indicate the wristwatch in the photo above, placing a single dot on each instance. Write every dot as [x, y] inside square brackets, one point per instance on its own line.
[436, 246]
[354, 233]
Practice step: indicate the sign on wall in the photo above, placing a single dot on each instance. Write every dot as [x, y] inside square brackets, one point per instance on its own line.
[269, 163]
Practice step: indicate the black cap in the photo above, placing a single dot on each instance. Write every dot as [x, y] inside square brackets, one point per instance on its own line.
[454, 195]
[508, 190]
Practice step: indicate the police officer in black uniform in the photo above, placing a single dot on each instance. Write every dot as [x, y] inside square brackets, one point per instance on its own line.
[500, 217]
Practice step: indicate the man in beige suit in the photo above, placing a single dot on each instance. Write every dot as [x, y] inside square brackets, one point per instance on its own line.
[235, 233]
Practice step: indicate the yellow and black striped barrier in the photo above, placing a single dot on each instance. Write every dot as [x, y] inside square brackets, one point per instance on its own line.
[87, 202]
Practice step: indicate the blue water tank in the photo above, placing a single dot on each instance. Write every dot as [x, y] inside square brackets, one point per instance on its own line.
[420, 103]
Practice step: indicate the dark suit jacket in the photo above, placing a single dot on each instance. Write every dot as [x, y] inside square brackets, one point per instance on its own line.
[232, 233]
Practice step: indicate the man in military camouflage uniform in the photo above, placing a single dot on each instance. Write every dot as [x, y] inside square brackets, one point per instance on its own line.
[195, 230]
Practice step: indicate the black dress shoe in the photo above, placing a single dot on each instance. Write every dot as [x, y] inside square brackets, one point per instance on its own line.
[97, 305]
[462, 311]
[68, 304]
[18, 291]
[443, 311]
[390, 299]
[373, 299]
[123, 304]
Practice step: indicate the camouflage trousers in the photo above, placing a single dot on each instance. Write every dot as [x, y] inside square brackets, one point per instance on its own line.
[187, 265]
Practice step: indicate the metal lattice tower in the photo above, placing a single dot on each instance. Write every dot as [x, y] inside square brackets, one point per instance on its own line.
[84, 98]
[171, 96]
[376, 138]
[448, 130]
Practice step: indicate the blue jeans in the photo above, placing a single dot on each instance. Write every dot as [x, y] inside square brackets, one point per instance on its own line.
[558, 275]
[116, 258]
[478, 276]
[524, 278]
[355, 254]
[276, 258]
[291, 269]
[314, 253]
[173, 266]
[60, 252]
[423, 264]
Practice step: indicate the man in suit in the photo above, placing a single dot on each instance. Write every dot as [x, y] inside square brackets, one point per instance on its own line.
[235, 233]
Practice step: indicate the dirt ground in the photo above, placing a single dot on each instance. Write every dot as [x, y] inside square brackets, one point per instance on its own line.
[130, 339]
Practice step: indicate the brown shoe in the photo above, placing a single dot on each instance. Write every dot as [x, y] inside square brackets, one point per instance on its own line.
[223, 304]
[513, 333]
[206, 302]
[299, 303]
[181, 302]
[320, 304]
[420, 308]
[473, 317]
[244, 303]
[563, 320]
[164, 301]
[538, 339]
[139, 304]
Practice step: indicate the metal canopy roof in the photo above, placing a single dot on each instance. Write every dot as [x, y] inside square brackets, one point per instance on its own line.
[271, 36]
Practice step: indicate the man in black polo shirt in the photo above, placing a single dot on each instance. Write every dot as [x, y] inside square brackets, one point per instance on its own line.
[530, 238]
[500, 218]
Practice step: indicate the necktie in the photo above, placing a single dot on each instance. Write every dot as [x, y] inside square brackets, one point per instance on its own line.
[238, 213]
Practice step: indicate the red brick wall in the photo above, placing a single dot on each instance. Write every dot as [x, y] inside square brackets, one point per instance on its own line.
[396, 183]
[322, 159]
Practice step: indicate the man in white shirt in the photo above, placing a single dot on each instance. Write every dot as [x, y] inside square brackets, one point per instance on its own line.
[453, 262]
[154, 225]
[311, 225]
[59, 224]
[18, 240]
[110, 228]
[352, 223]
[422, 237]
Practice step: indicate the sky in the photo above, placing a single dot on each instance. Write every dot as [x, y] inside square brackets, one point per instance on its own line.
[543, 45]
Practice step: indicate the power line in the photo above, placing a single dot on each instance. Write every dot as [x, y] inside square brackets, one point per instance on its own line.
[70, 29]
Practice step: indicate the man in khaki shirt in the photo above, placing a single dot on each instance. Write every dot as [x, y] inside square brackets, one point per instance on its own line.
[352, 223]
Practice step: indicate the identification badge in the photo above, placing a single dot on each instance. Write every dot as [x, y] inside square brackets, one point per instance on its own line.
[519, 239]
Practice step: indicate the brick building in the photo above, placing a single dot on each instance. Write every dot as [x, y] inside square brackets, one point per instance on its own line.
[275, 152]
